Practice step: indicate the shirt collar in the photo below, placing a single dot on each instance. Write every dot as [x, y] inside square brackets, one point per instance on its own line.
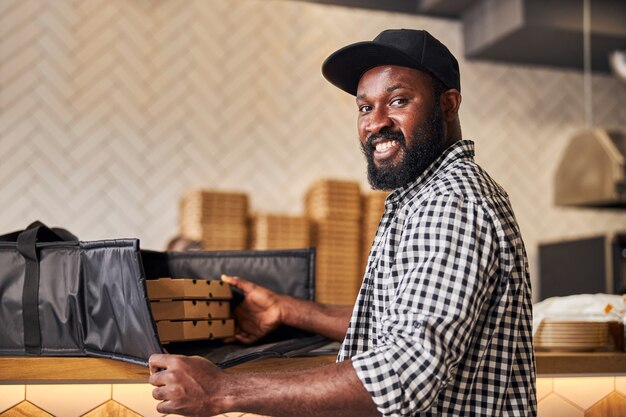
[462, 149]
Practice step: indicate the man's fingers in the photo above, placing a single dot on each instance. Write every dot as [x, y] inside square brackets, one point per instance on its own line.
[241, 284]
[245, 338]
[157, 362]
[157, 378]
[158, 393]
[160, 361]
[165, 407]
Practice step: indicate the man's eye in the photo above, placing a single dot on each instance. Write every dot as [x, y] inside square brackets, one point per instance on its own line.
[365, 109]
[399, 101]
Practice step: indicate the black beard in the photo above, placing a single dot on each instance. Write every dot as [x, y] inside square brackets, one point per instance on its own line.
[427, 144]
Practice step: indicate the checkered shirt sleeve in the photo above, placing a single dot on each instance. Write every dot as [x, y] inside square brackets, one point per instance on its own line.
[443, 265]
[445, 302]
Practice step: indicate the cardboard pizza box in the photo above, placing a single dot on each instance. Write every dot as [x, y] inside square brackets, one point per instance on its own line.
[189, 310]
[186, 330]
[187, 288]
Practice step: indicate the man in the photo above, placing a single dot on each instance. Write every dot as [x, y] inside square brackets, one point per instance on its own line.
[442, 322]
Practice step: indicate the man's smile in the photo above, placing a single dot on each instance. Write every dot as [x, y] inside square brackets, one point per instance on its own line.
[385, 149]
[383, 146]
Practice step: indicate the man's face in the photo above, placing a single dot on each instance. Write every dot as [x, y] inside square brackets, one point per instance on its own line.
[400, 125]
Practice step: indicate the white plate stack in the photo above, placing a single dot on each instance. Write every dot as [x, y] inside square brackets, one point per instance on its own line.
[572, 336]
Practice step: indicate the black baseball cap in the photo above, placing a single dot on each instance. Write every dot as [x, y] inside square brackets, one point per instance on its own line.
[403, 47]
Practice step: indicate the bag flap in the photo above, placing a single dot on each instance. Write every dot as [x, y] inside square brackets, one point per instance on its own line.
[118, 323]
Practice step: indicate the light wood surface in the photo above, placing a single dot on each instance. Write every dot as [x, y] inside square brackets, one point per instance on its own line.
[20, 370]
[69, 370]
[595, 363]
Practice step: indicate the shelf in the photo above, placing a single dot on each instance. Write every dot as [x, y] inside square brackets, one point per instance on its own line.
[108, 371]
[551, 364]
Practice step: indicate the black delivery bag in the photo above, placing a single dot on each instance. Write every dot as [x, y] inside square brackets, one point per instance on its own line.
[64, 297]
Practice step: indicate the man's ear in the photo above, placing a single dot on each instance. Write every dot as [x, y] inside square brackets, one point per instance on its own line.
[450, 101]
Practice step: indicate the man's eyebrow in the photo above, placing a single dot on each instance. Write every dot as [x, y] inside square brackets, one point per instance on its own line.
[388, 90]
[394, 87]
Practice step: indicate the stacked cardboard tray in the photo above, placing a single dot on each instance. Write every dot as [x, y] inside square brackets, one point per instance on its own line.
[188, 309]
[218, 219]
[334, 209]
[272, 231]
[373, 206]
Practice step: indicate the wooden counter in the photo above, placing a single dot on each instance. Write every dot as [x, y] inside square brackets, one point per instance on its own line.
[550, 364]
[109, 371]
[96, 370]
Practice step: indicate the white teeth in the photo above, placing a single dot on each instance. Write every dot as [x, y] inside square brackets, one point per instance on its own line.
[383, 146]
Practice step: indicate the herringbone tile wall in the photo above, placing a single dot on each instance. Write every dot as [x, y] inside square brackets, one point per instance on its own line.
[110, 109]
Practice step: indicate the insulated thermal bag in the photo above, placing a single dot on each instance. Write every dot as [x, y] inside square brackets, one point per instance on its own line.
[63, 297]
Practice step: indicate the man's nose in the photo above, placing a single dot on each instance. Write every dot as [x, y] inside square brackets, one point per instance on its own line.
[378, 120]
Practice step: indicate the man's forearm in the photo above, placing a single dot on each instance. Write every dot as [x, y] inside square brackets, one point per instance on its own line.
[333, 390]
[323, 319]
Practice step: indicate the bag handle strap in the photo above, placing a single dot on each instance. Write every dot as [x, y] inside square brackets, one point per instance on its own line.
[57, 234]
[27, 246]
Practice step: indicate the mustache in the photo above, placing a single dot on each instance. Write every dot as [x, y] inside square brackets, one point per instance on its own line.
[388, 135]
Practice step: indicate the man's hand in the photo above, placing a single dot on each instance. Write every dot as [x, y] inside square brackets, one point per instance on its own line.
[186, 385]
[258, 314]
[262, 311]
[192, 386]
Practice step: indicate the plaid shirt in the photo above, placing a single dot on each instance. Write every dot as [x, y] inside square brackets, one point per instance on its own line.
[442, 325]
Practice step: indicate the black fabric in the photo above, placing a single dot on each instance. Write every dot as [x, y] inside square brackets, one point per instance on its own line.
[71, 298]
[228, 355]
[45, 234]
[26, 242]
[289, 272]
[26, 245]
[117, 320]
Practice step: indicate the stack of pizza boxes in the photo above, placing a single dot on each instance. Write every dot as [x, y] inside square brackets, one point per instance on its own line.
[273, 231]
[188, 309]
[334, 209]
[218, 219]
[373, 206]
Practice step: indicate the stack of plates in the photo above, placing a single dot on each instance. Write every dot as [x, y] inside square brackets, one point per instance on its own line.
[188, 309]
[572, 336]
[217, 219]
[334, 208]
[269, 231]
[373, 204]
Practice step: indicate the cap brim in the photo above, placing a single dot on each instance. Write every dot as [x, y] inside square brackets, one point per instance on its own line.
[345, 67]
